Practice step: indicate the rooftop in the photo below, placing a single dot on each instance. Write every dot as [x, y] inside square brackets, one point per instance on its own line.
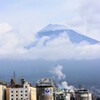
[45, 82]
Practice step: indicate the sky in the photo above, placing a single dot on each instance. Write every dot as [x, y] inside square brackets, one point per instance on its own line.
[21, 19]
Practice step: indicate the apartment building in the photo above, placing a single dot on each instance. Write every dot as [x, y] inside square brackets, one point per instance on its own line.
[83, 94]
[23, 91]
[2, 91]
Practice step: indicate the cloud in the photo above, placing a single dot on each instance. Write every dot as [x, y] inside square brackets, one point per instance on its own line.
[62, 48]
[57, 72]
[13, 46]
[68, 87]
[11, 42]
[81, 15]
[58, 75]
[96, 90]
[85, 17]
[5, 27]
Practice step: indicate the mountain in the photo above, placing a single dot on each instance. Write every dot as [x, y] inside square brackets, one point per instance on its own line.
[54, 30]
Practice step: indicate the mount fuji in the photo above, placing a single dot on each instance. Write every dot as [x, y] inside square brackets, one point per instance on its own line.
[54, 30]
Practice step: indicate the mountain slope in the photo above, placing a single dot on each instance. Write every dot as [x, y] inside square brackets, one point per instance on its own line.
[56, 30]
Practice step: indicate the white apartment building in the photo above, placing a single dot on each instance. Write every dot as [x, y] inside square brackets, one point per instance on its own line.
[24, 92]
[2, 91]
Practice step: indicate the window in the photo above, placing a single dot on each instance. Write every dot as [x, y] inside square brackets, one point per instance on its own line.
[16, 91]
[11, 98]
[21, 91]
[21, 95]
[11, 91]
[26, 91]
[12, 95]
[25, 94]
[16, 98]
[25, 86]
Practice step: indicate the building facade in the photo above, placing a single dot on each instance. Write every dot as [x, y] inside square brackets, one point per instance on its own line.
[83, 94]
[21, 92]
[45, 89]
[2, 91]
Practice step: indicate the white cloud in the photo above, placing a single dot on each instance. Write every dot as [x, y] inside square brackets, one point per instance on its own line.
[5, 27]
[70, 87]
[58, 75]
[31, 15]
[12, 45]
[57, 72]
[84, 17]
[81, 15]
[62, 48]
[11, 42]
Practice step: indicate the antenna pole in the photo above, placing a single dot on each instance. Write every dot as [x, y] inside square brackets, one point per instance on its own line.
[14, 75]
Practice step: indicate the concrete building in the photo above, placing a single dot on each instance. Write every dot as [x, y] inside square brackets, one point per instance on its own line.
[2, 91]
[64, 95]
[83, 94]
[45, 89]
[23, 91]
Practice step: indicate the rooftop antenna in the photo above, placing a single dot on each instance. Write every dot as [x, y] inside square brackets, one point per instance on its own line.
[14, 75]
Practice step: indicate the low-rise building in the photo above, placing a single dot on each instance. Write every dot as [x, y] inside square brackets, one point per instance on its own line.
[45, 89]
[83, 94]
[23, 91]
[2, 91]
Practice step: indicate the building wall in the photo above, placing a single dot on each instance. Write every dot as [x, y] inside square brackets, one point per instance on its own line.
[84, 96]
[7, 94]
[68, 96]
[45, 93]
[33, 93]
[2, 92]
[21, 93]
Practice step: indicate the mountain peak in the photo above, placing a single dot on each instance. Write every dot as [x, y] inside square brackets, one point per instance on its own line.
[54, 27]
[55, 30]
